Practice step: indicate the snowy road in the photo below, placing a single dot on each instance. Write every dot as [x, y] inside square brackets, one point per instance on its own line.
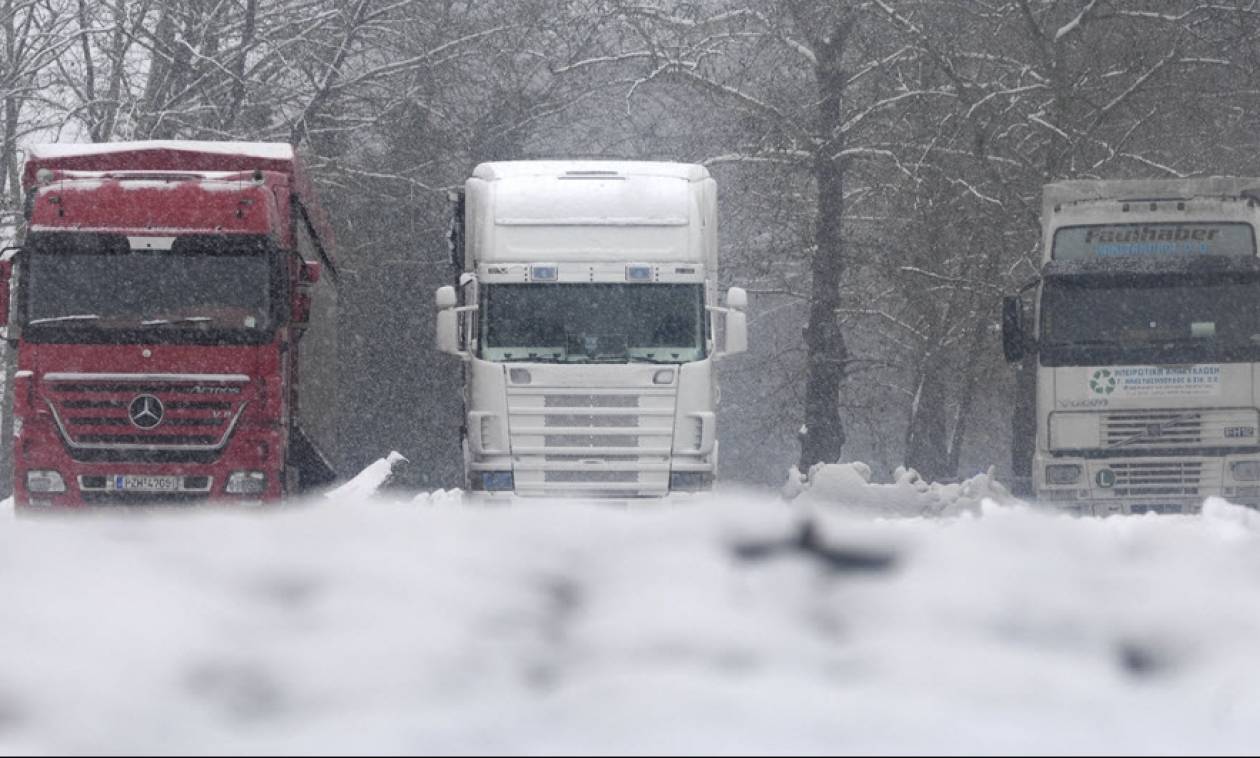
[362, 625]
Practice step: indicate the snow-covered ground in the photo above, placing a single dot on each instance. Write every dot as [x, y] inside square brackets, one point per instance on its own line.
[362, 624]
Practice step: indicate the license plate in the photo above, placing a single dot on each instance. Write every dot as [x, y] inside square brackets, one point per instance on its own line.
[132, 483]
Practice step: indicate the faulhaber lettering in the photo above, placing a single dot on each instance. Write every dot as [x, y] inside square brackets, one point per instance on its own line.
[1156, 233]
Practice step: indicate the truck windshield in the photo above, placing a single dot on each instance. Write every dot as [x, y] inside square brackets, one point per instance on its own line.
[97, 282]
[593, 323]
[1150, 319]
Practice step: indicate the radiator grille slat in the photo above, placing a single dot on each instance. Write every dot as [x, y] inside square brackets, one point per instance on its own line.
[93, 413]
[1210, 427]
[611, 440]
[1158, 478]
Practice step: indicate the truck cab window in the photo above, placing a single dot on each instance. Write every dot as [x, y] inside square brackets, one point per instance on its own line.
[600, 323]
[98, 283]
[1153, 319]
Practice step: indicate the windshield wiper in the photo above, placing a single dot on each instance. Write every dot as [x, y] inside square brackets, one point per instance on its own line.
[646, 359]
[76, 317]
[1084, 343]
[533, 359]
[180, 320]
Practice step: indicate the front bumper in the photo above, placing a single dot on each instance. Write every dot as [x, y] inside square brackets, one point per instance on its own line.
[1145, 484]
[89, 483]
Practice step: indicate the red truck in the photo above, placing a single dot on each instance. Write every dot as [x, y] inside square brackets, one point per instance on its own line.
[174, 315]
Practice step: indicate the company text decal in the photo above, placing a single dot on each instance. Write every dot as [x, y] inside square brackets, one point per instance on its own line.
[1127, 240]
[1153, 381]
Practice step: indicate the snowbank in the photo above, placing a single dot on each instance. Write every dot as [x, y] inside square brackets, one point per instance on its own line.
[848, 486]
[566, 627]
[440, 497]
[369, 480]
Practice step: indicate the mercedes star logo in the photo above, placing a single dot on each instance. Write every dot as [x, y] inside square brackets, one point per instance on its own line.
[145, 411]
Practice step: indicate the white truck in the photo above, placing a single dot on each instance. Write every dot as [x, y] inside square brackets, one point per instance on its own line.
[1146, 335]
[584, 318]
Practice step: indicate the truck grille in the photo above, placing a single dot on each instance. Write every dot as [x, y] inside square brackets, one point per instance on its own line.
[144, 414]
[613, 441]
[1145, 478]
[1180, 428]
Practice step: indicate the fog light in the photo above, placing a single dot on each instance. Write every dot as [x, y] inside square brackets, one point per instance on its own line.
[664, 376]
[1063, 473]
[1245, 471]
[246, 483]
[44, 481]
[689, 481]
[495, 481]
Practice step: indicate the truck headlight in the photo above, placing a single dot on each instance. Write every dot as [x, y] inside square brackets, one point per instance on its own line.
[1245, 471]
[493, 481]
[246, 483]
[1063, 473]
[689, 481]
[44, 481]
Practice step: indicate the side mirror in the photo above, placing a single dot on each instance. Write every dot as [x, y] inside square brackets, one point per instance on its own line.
[300, 313]
[309, 272]
[446, 298]
[735, 323]
[736, 332]
[447, 337]
[1014, 338]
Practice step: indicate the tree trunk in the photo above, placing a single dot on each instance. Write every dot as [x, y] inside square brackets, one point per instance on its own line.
[237, 99]
[927, 443]
[823, 437]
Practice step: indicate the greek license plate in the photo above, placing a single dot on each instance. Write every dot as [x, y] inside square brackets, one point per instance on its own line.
[131, 483]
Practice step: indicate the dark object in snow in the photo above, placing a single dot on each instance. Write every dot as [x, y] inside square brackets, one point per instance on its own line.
[807, 541]
[1139, 660]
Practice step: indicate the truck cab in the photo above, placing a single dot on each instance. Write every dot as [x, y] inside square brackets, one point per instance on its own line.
[585, 316]
[168, 298]
[1146, 334]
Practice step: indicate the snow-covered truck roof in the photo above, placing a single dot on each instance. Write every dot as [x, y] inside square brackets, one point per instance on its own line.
[161, 155]
[591, 211]
[1101, 202]
[513, 169]
[83, 166]
[1085, 190]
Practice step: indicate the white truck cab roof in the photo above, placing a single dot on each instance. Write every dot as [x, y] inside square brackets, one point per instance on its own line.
[592, 212]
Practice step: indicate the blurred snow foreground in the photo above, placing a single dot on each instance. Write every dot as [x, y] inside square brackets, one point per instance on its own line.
[740, 623]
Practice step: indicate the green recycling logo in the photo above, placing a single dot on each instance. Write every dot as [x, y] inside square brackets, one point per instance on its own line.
[1102, 382]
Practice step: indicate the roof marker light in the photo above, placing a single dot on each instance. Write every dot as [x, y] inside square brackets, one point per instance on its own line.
[636, 272]
[547, 273]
